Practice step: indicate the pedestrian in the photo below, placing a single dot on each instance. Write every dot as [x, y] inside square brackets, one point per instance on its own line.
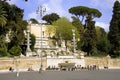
[17, 73]
[11, 69]
[40, 70]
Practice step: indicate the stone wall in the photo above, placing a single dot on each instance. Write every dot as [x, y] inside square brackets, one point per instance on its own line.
[34, 62]
[102, 62]
[21, 63]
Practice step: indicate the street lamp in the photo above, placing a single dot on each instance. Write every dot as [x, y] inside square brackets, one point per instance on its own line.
[41, 10]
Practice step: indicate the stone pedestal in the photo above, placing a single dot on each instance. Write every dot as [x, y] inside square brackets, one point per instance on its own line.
[82, 56]
[28, 53]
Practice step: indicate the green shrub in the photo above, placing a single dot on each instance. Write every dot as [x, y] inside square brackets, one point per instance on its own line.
[15, 50]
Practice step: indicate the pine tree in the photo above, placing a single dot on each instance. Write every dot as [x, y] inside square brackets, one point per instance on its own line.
[114, 33]
[89, 37]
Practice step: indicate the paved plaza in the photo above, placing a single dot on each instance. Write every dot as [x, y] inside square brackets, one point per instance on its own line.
[63, 75]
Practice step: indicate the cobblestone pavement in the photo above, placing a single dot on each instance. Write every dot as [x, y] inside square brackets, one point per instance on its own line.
[63, 75]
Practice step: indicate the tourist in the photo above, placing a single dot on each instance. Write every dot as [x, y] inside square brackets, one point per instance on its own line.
[11, 69]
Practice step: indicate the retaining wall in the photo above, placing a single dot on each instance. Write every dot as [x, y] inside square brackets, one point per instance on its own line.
[34, 62]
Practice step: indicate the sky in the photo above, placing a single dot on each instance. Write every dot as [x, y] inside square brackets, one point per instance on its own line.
[61, 7]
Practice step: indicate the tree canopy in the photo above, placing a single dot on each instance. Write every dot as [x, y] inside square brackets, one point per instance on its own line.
[34, 21]
[83, 11]
[49, 18]
[50, 30]
[12, 26]
[64, 31]
[103, 44]
[88, 37]
[114, 33]
[3, 15]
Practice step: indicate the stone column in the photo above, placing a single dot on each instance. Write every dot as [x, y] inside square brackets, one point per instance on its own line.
[28, 50]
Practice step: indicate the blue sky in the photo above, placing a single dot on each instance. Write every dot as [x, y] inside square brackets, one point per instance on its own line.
[61, 8]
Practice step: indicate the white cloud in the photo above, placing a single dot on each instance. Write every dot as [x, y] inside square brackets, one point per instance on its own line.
[103, 25]
[56, 7]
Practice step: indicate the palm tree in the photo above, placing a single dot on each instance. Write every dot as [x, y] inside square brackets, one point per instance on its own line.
[3, 19]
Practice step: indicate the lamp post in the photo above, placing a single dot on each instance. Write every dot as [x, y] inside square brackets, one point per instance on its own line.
[41, 10]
